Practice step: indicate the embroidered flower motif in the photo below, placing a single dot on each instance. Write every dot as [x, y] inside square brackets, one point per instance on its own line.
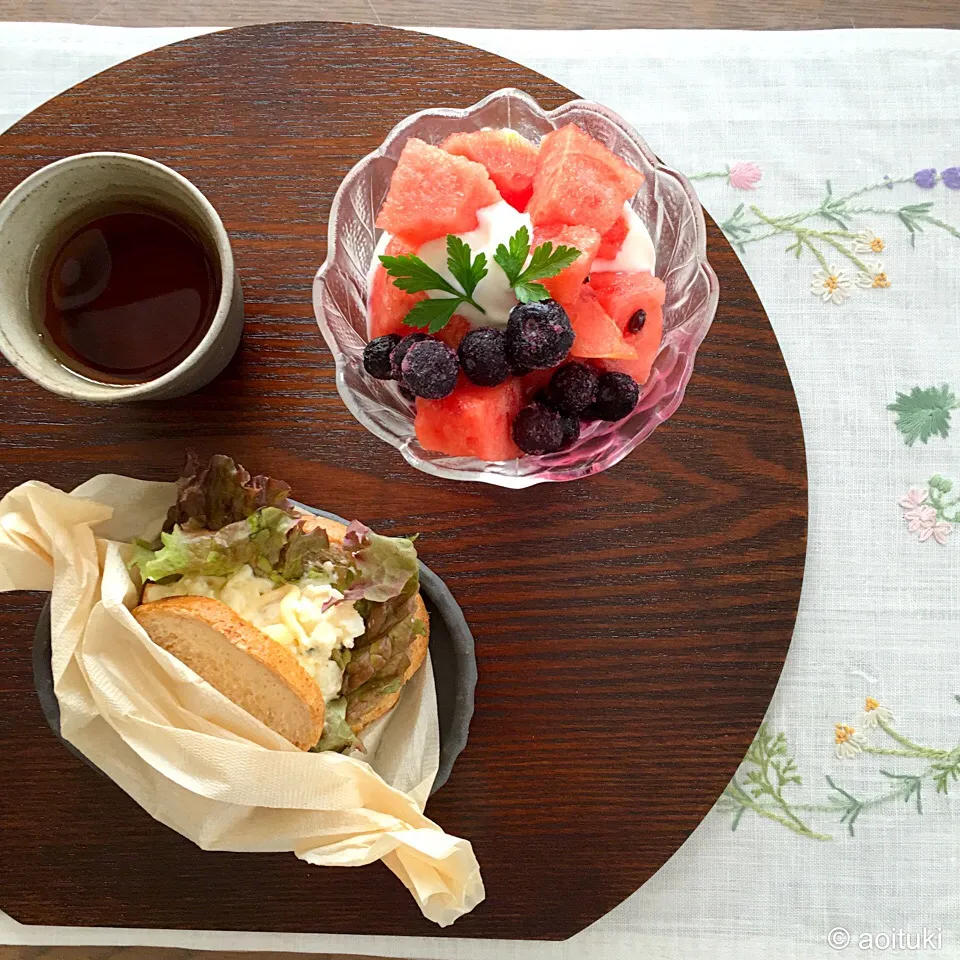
[876, 277]
[939, 530]
[848, 742]
[745, 176]
[887, 181]
[831, 285]
[922, 519]
[868, 242]
[925, 178]
[913, 499]
[951, 177]
[874, 714]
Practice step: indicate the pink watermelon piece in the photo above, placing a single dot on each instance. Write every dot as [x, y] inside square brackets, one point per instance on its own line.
[434, 193]
[579, 181]
[565, 286]
[454, 331]
[613, 239]
[508, 157]
[596, 333]
[473, 421]
[387, 304]
[622, 295]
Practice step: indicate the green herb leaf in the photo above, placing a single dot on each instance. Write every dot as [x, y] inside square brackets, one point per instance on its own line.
[410, 273]
[923, 413]
[544, 262]
[547, 262]
[467, 271]
[434, 314]
[530, 292]
[512, 257]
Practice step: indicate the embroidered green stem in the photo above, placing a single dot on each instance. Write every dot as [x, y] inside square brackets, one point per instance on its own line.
[915, 749]
[803, 235]
[743, 800]
[938, 488]
[709, 174]
[894, 752]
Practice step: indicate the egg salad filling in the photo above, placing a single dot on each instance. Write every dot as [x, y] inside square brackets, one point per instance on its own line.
[291, 614]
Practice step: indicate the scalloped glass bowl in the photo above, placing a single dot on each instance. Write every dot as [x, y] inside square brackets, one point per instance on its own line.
[667, 205]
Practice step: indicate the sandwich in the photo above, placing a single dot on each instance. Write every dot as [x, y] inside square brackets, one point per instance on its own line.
[311, 626]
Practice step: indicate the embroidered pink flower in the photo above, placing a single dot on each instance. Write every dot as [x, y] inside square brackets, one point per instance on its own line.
[745, 176]
[939, 531]
[911, 502]
[920, 519]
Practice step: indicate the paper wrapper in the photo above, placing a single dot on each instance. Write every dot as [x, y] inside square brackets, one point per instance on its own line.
[189, 756]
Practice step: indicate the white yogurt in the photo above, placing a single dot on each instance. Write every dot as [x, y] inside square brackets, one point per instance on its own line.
[496, 224]
[636, 254]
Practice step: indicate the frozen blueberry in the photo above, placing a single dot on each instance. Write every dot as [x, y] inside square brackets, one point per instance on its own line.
[407, 393]
[430, 369]
[538, 335]
[636, 322]
[400, 351]
[376, 356]
[571, 431]
[617, 395]
[538, 429]
[573, 388]
[483, 357]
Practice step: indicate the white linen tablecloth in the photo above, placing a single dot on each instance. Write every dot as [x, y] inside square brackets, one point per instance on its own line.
[847, 809]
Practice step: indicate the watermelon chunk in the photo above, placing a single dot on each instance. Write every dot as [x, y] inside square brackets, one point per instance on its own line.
[596, 334]
[579, 181]
[565, 286]
[622, 294]
[509, 158]
[387, 304]
[457, 328]
[613, 239]
[434, 193]
[473, 421]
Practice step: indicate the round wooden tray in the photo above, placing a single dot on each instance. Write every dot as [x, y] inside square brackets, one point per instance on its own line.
[630, 628]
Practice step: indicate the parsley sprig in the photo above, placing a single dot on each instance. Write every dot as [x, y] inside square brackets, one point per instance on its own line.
[413, 275]
[410, 273]
[545, 262]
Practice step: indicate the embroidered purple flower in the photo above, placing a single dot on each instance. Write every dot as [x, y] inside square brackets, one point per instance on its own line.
[925, 178]
[888, 183]
[951, 177]
[745, 176]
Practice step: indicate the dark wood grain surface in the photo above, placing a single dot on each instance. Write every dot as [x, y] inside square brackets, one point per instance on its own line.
[558, 14]
[630, 628]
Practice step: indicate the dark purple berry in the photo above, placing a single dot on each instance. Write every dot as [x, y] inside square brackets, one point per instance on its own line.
[539, 335]
[571, 431]
[400, 351]
[636, 322]
[430, 369]
[617, 395]
[376, 356]
[407, 393]
[573, 388]
[538, 429]
[483, 357]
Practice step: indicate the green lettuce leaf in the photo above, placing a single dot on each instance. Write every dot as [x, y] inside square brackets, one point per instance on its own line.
[386, 566]
[218, 493]
[337, 734]
[306, 553]
[259, 541]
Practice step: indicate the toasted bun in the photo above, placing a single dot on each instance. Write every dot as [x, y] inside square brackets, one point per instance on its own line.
[417, 652]
[233, 656]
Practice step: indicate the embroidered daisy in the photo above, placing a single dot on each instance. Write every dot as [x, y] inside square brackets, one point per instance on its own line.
[832, 285]
[874, 276]
[848, 742]
[867, 242]
[874, 714]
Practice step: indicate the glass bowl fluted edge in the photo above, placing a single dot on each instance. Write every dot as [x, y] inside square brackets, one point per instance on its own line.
[667, 205]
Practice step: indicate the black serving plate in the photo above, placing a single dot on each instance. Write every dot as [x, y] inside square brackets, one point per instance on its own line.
[451, 652]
